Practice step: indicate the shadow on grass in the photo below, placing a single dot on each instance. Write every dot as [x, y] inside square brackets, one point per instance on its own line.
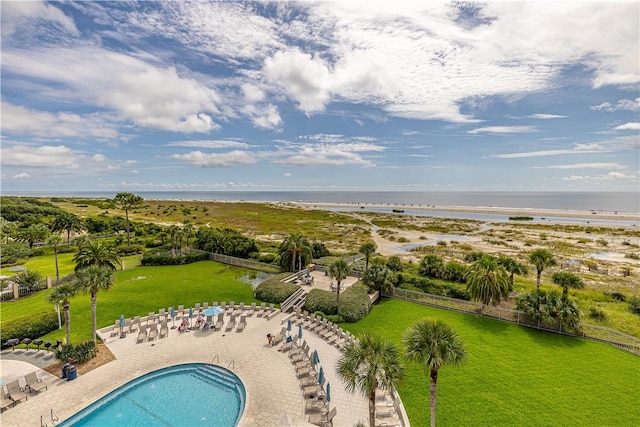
[551, 339]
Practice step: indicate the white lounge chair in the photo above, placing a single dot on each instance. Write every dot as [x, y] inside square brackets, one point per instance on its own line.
[16, 392]
[33, 383]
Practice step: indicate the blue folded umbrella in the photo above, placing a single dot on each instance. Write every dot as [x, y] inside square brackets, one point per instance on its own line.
[289, 325]
[328, 394]
[299, 331]
[321, 376]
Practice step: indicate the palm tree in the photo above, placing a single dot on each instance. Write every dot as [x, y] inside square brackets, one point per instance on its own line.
[34, 233]
[96, 253]
[67, 222]
[90, 280]
[368, 364]
[126, 202]
[434, 343]
[542, 259]
[60, 295]
[378, 277]
[188, 228]
[367, 249]
[339, 271]
[162, 235]
[295, 246]
[534, 307]
[173, 229]
[54, 241]
[487, 281]
[566, 280]
[304, 251]
[431, 266]
[513, 267]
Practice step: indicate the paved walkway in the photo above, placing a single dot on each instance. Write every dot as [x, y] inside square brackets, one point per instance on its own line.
[273, 391]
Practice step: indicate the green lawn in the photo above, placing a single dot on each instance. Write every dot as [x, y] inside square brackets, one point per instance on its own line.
[141, 290]
[514, 376]
[45, 264]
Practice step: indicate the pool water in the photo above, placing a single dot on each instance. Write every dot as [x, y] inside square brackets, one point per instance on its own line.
[182, 395]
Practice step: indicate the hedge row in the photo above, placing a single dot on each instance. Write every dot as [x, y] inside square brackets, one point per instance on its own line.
[30, 326]
[173, 260]
[354, 303]
[275, 291]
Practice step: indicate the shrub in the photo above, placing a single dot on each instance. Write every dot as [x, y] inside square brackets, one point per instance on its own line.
[76, 353]
[597, 314]
[394, 263]
[30, 326]
[125, 250]
[267, 258]
[322, 301]
[634, 305]
[354, 303]
[616, 296]
[163, 259]
[275, 291]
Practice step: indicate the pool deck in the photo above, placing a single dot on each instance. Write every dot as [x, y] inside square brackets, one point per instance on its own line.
[273, 391]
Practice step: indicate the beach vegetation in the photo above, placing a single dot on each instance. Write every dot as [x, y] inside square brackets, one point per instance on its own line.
[294, 253]
[394, 263]
[634, 305]
[567, 280]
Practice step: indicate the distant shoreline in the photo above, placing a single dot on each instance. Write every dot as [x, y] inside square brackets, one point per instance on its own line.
[605, 215]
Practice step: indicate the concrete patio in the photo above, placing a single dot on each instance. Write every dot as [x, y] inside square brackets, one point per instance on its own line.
[273, 391]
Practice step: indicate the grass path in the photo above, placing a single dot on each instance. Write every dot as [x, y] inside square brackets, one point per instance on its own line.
[514, 376]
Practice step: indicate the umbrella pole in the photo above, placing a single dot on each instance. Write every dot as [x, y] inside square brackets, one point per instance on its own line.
[173, 322]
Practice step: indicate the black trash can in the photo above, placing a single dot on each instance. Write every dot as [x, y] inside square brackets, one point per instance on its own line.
[64, 370]
[72, 374]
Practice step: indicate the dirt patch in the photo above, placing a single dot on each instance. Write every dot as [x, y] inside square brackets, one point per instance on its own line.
[103, 356]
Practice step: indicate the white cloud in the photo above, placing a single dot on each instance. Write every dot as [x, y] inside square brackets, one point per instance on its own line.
[18, 119]
[588, 166]
[212, 143]
[546, 153]
[628, 126]
[546, 116]
[623, 104]
[131, 162]
[215, 160]
[302, 76]
[503, 129]
[336, 154]
[611, 176]
[148, 95]
[29, 15]
[22, 175]
[41, 157]
[287, 174]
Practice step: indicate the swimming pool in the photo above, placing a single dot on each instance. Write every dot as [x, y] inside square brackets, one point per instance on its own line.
[181, 395]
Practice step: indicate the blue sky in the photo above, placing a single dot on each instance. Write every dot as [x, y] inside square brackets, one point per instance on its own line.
[342, 95]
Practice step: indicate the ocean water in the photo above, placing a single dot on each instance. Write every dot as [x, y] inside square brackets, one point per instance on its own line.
[622, 202]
